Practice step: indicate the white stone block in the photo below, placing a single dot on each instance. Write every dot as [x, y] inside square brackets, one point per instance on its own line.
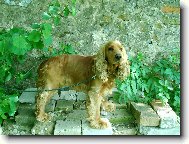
[87, 130]
[67, 127]
[28, 97]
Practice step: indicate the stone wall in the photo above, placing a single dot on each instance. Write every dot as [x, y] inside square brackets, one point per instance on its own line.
[147, 26]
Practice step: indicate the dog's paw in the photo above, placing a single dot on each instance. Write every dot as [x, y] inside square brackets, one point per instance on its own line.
[43, 117]
[100, 124]
[110, 107]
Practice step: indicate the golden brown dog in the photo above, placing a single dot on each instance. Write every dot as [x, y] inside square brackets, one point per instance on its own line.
[65, 70]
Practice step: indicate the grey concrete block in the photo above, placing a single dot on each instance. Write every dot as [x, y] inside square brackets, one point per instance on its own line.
[25, 120]
[87, 130]
[64, 105]
[120, 106]
[28, 97]
[55, 96]
[125, 129]
[77, 115]
[67, 127]
[11, 128]
[167, 115]
[81, 96]
[120, 116]
[26, 109]
[68, 95]
[144, 114]
[43, 128]
[57, 115]
[50, 106]
[145, 130]
[79, 105]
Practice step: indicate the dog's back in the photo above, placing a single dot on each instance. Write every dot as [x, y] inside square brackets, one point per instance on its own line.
[64, 70]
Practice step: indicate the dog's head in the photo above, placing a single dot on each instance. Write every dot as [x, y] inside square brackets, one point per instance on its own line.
[112, 60]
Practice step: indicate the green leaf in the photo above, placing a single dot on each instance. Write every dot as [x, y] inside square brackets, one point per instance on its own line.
[53, 10]
[1, 120]
[73, 2]
[56, 20]
[46, 16]
[1, 46]
[73, 11]
[66, 11]
[13, 100]
[47, 29]
[35, 26]
[34, 36]
[70, 49]
[133, 85]
[48, 41]
[3, 116]
[20, 45]
[8, 78]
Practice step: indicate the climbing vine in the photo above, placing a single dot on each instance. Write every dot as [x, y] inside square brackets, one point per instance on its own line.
[160, 80]
[16, 42]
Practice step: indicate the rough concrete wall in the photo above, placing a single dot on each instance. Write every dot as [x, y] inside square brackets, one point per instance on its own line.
[148, 26]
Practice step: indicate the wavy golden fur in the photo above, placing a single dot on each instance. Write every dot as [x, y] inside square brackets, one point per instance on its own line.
[108, 64]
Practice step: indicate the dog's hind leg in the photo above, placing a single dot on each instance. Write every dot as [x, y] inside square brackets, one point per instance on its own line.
[41, 101]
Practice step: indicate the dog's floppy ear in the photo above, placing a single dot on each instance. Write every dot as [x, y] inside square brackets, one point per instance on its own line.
[101, 65]
[124, 67]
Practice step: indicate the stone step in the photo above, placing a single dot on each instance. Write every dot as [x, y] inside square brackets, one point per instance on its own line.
[146, 130]
[43, 128]
[77, 115]
[29, 97]
[65, 105]
[144, 114]
[125, 129]
[87, 130]
[168, 117]
[67, 127]
[120, 116]
[25, 120]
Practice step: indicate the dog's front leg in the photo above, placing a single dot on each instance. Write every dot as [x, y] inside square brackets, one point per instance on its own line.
[108, 106]
[93, 108]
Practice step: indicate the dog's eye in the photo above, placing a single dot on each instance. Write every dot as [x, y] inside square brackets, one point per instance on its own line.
[110, 49]
[121, 49]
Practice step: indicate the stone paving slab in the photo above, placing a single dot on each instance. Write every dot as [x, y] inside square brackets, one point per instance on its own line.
[43, 128]
[26, 109]
[87, 130]
[50, 106]
[145, 130]
[68, 95]
[79, 105]
[120, 116]
[64, 105]
[144, 114]
[67, 127]
[77, 115]
[25, 120]
[120, 106]
[28, 97]
[11, 128]
[125, 129]
[168, 117]
[81, 96]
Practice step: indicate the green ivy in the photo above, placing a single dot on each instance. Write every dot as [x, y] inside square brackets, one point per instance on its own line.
[160, 80]
[16, 42]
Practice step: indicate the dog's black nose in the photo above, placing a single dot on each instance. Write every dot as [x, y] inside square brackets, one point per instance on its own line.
[118, 56]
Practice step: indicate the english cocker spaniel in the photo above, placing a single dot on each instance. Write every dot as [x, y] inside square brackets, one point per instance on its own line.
[108, 64]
